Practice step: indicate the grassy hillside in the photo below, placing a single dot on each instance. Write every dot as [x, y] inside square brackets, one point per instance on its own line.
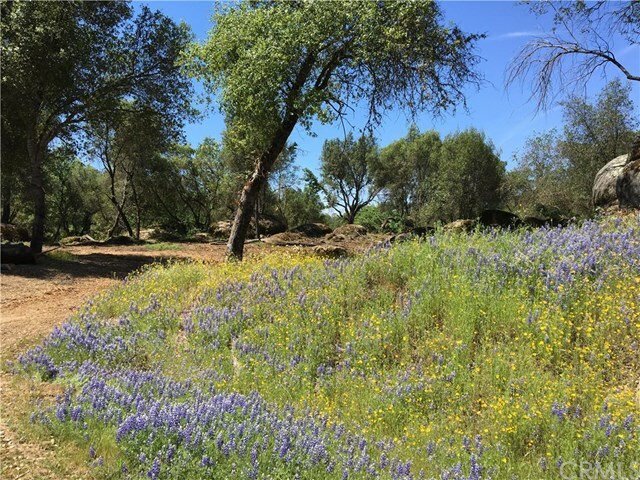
[499, 355]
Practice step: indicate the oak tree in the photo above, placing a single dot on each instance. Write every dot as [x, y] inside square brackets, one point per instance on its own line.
[65, 61]
[278, 64]
[346, 178]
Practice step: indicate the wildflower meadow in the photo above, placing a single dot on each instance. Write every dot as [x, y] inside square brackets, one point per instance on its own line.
[489, 355]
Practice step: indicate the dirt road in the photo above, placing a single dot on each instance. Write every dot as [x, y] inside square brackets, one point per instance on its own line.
[36, 298]
[33, 300]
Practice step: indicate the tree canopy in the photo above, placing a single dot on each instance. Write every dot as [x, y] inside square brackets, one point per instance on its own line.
[67, 61]
[277, 64]
[560, 166]
[406, 170]
[346, 179]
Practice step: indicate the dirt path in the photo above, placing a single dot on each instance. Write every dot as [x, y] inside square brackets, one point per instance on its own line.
[36, 298]
[33, 300]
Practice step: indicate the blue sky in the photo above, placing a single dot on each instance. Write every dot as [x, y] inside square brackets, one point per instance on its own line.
[507, 117]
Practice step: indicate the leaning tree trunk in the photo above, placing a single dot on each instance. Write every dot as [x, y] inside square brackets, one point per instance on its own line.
[251, 190]
[235, 246]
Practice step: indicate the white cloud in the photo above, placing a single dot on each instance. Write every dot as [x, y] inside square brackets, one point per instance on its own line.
[516, 35]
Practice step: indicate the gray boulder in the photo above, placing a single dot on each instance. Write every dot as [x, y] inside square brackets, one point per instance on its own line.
[465, 225]
[349, 231]
[604, 193]
[628, 186]
[315, 230]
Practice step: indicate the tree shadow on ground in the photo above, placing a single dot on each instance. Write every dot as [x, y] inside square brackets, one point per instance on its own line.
[92, 265]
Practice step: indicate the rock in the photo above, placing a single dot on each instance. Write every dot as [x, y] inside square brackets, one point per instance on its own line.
[202, 237]
[499, 218]
[13, 233]
[121, 240]
[314, 230]
[350, 231]
[221, 229]
[460, 226]
[269, 225]
[401, 238]
[72, 240]
[79, 240]
[289, 239]
[331, 251]
[159, 234]
[628, 185]
[604, 192]
[17, 253]
[335, 237]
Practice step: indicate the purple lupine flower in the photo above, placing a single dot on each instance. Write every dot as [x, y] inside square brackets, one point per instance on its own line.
[154, 471]
[466, 443]
[627, 424]
[543, 464]
[558, 410]
[475, 472]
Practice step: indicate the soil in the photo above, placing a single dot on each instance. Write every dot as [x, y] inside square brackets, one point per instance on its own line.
[36, 298]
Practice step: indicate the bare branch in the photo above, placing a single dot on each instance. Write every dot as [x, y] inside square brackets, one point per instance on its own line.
[575, 50]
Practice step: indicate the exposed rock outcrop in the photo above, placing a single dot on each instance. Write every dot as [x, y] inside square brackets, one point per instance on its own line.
[269, 225]
[628, 186]
[604, 193]
[13, 233]
[79, 240]
[617, 184]
[159, 234]
[315, 230]
[348, 231]
[221, 230]
[464, 225]
[290, 239]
